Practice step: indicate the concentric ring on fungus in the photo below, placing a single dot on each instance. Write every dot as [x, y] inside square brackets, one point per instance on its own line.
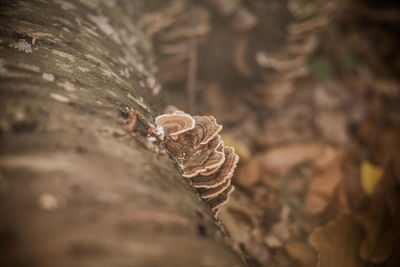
[224, 172]
[215, 160]
[207, 128]
[174, 124]
[221, 199]
[214, 191]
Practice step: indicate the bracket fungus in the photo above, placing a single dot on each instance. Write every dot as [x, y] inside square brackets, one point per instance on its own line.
[175, 123]
[196, 145]
[221, 199]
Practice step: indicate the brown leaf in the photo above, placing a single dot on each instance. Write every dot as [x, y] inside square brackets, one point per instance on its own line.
[377, 245]
[283, 158]
[321, 189]
[333, 126]
[301, 253]
[381, 220]
[249, 174]
[329, 156]
[338, 243]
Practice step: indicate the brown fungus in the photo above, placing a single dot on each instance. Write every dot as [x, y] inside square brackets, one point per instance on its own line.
[198, 148]
[207, 128]
[224, 173]
[183, 150]
[206, 193]
[220, 148]
[215, 160]
[216, 202]
[175, 124]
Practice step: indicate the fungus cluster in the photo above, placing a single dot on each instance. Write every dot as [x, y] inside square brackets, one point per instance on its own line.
[197, 146]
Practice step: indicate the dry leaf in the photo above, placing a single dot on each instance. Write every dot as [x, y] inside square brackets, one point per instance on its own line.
[301, 253]
[272, 241]
[338, 243]
[249, 174]
[283, 158]
[329, 156]
[377, 245]
[333, 126]
[321, 189]
[240, 148]
[381, 220]
[370, 176]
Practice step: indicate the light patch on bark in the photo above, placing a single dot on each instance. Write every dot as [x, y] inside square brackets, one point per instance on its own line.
[103, 24]
[64, 67]
[92, 4]
[36, 163]
[48, 202]
[29, 67]
[83, 69]
[124, 73]
[66, 5]
[39, 35]
[92, 32]
[64, 55]
[59, 97]
[67, 86]
[111, 93]
[49, 77]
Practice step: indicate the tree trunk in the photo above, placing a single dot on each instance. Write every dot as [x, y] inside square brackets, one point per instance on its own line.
[76, 187]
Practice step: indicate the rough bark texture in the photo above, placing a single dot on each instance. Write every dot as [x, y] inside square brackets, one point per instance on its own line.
[76, 188]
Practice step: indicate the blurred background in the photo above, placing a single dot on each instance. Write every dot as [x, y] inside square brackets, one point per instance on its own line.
[308, 94]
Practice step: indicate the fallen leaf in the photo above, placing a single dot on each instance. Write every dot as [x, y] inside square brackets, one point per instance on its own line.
[240, 148]
[381, 221]
[355, 195]
[333, 126]
[338, 243]
[249, 174]
[283, 158]
[273, 241]
[328, 157]
[370, 177]
[377, 245]
[301, 253]
[321, 189]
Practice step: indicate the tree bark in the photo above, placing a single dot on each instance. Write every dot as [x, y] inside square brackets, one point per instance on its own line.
[76, 187]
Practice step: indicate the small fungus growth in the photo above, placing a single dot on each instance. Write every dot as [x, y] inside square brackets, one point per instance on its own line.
[22, 46]
[196, 145]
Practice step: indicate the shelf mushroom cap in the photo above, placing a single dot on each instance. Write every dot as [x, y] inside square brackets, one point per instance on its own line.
[206, 129]
[183, 147]
[224, 173]
[175, 124]
[216, 202]
[206, 193]
[216, 159]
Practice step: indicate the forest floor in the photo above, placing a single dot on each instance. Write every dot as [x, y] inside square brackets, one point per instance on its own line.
[308, 95]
